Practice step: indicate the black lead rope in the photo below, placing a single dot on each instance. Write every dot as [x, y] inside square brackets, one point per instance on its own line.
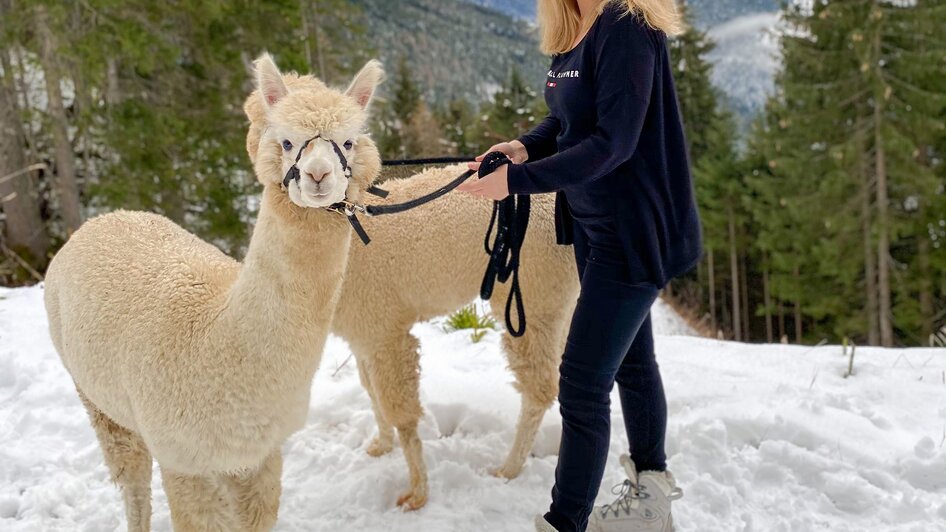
[349, 209]
[431, 160]
[510, 219]
[378, 210]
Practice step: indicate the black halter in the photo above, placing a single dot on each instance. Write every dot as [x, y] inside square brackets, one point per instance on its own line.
[344, 207]
[293, 173]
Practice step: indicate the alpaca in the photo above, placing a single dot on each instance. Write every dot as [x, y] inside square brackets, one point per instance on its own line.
[428, 262]
[182, 354]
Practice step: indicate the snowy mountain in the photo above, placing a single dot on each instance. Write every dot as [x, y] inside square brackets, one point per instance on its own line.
[761, 437]
[746, 56]
[745, 61]
[707, 13]
[522, 9]
[456, 50]
[710, 13]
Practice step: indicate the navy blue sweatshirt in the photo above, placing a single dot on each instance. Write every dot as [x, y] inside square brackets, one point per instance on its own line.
[613, 146]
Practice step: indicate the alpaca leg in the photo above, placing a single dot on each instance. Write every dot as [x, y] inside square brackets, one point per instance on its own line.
[534, 359]
[531, 414]
[129, 463]
[256, 494]
[395, 377]
[200, 504]
[384, 442]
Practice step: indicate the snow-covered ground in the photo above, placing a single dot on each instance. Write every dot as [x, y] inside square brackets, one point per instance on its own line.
[761, 437]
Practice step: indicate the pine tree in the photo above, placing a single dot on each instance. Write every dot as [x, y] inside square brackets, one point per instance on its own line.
[916, 77]
[23, 231]
[408, 128]
[854, 99]
[711, 135]
[514, 110]
[698, 98]
[153, 119]
[334, 38]
[50, 49]
[456, 120]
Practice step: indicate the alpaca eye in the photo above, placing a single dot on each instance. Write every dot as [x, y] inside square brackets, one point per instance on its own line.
[286, 145]
[349, 144]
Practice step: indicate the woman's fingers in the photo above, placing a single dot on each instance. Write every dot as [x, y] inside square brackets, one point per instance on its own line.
[470, 187]
[503, 147]
[494, 186]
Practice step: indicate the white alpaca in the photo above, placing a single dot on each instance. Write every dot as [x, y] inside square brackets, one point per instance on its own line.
[428, 262]
[181, 353]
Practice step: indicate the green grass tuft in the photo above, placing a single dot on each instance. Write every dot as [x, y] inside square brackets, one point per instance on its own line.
[469, 317]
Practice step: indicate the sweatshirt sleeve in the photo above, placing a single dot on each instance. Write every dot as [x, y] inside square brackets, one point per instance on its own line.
[542, 141]
[625, 58]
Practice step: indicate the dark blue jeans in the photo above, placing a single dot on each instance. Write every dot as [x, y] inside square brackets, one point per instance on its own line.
[610, 340]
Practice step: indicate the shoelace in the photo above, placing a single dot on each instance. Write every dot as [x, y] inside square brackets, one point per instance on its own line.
[629, 497]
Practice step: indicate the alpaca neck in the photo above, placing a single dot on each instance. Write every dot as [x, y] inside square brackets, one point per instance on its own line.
[284, 298]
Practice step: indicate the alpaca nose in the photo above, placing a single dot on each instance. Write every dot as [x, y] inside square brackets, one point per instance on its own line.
[317, 176]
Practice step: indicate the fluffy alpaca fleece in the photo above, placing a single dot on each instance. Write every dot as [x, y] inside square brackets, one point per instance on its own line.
[184, 355]
[428, 262]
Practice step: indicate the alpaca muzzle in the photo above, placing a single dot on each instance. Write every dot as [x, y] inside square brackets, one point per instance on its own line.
[295, 175]
[345, 208]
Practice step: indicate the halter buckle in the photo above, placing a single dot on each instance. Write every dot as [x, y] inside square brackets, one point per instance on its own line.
[346, 208]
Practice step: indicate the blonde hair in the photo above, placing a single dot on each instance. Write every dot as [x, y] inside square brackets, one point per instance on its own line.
[560, 21]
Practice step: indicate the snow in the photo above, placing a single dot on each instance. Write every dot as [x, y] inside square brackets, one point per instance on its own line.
[761, 438]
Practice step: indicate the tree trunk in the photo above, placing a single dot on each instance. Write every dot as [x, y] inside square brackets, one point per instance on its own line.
[925, 282]
[870, 269]
[305, 7]
[113, 93]
[734, 274]
[19, 80]
[767, 301]
[66, 186]
[711, 272]
[798, 325]
[884, 299]
[320, 53]
[781, 320]
[746, 317]
[23, 229]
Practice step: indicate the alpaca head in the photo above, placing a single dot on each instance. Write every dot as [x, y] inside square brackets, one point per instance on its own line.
[300, 121]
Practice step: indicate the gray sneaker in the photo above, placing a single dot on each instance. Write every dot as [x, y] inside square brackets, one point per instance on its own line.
[643, 503]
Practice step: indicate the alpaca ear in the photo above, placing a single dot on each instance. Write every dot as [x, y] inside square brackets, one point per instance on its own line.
[269, 81]
[366, 81]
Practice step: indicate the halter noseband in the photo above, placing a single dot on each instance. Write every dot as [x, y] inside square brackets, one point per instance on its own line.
[344, 207]
[293, 173]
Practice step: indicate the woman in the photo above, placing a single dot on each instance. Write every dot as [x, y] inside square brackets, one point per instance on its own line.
[613, 149]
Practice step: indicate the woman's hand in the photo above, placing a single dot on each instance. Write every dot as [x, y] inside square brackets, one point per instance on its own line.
[494, 186]
[515, 150]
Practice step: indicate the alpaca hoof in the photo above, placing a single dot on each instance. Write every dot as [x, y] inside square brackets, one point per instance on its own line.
[413, 500]
[506, 472]
[379, 448]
